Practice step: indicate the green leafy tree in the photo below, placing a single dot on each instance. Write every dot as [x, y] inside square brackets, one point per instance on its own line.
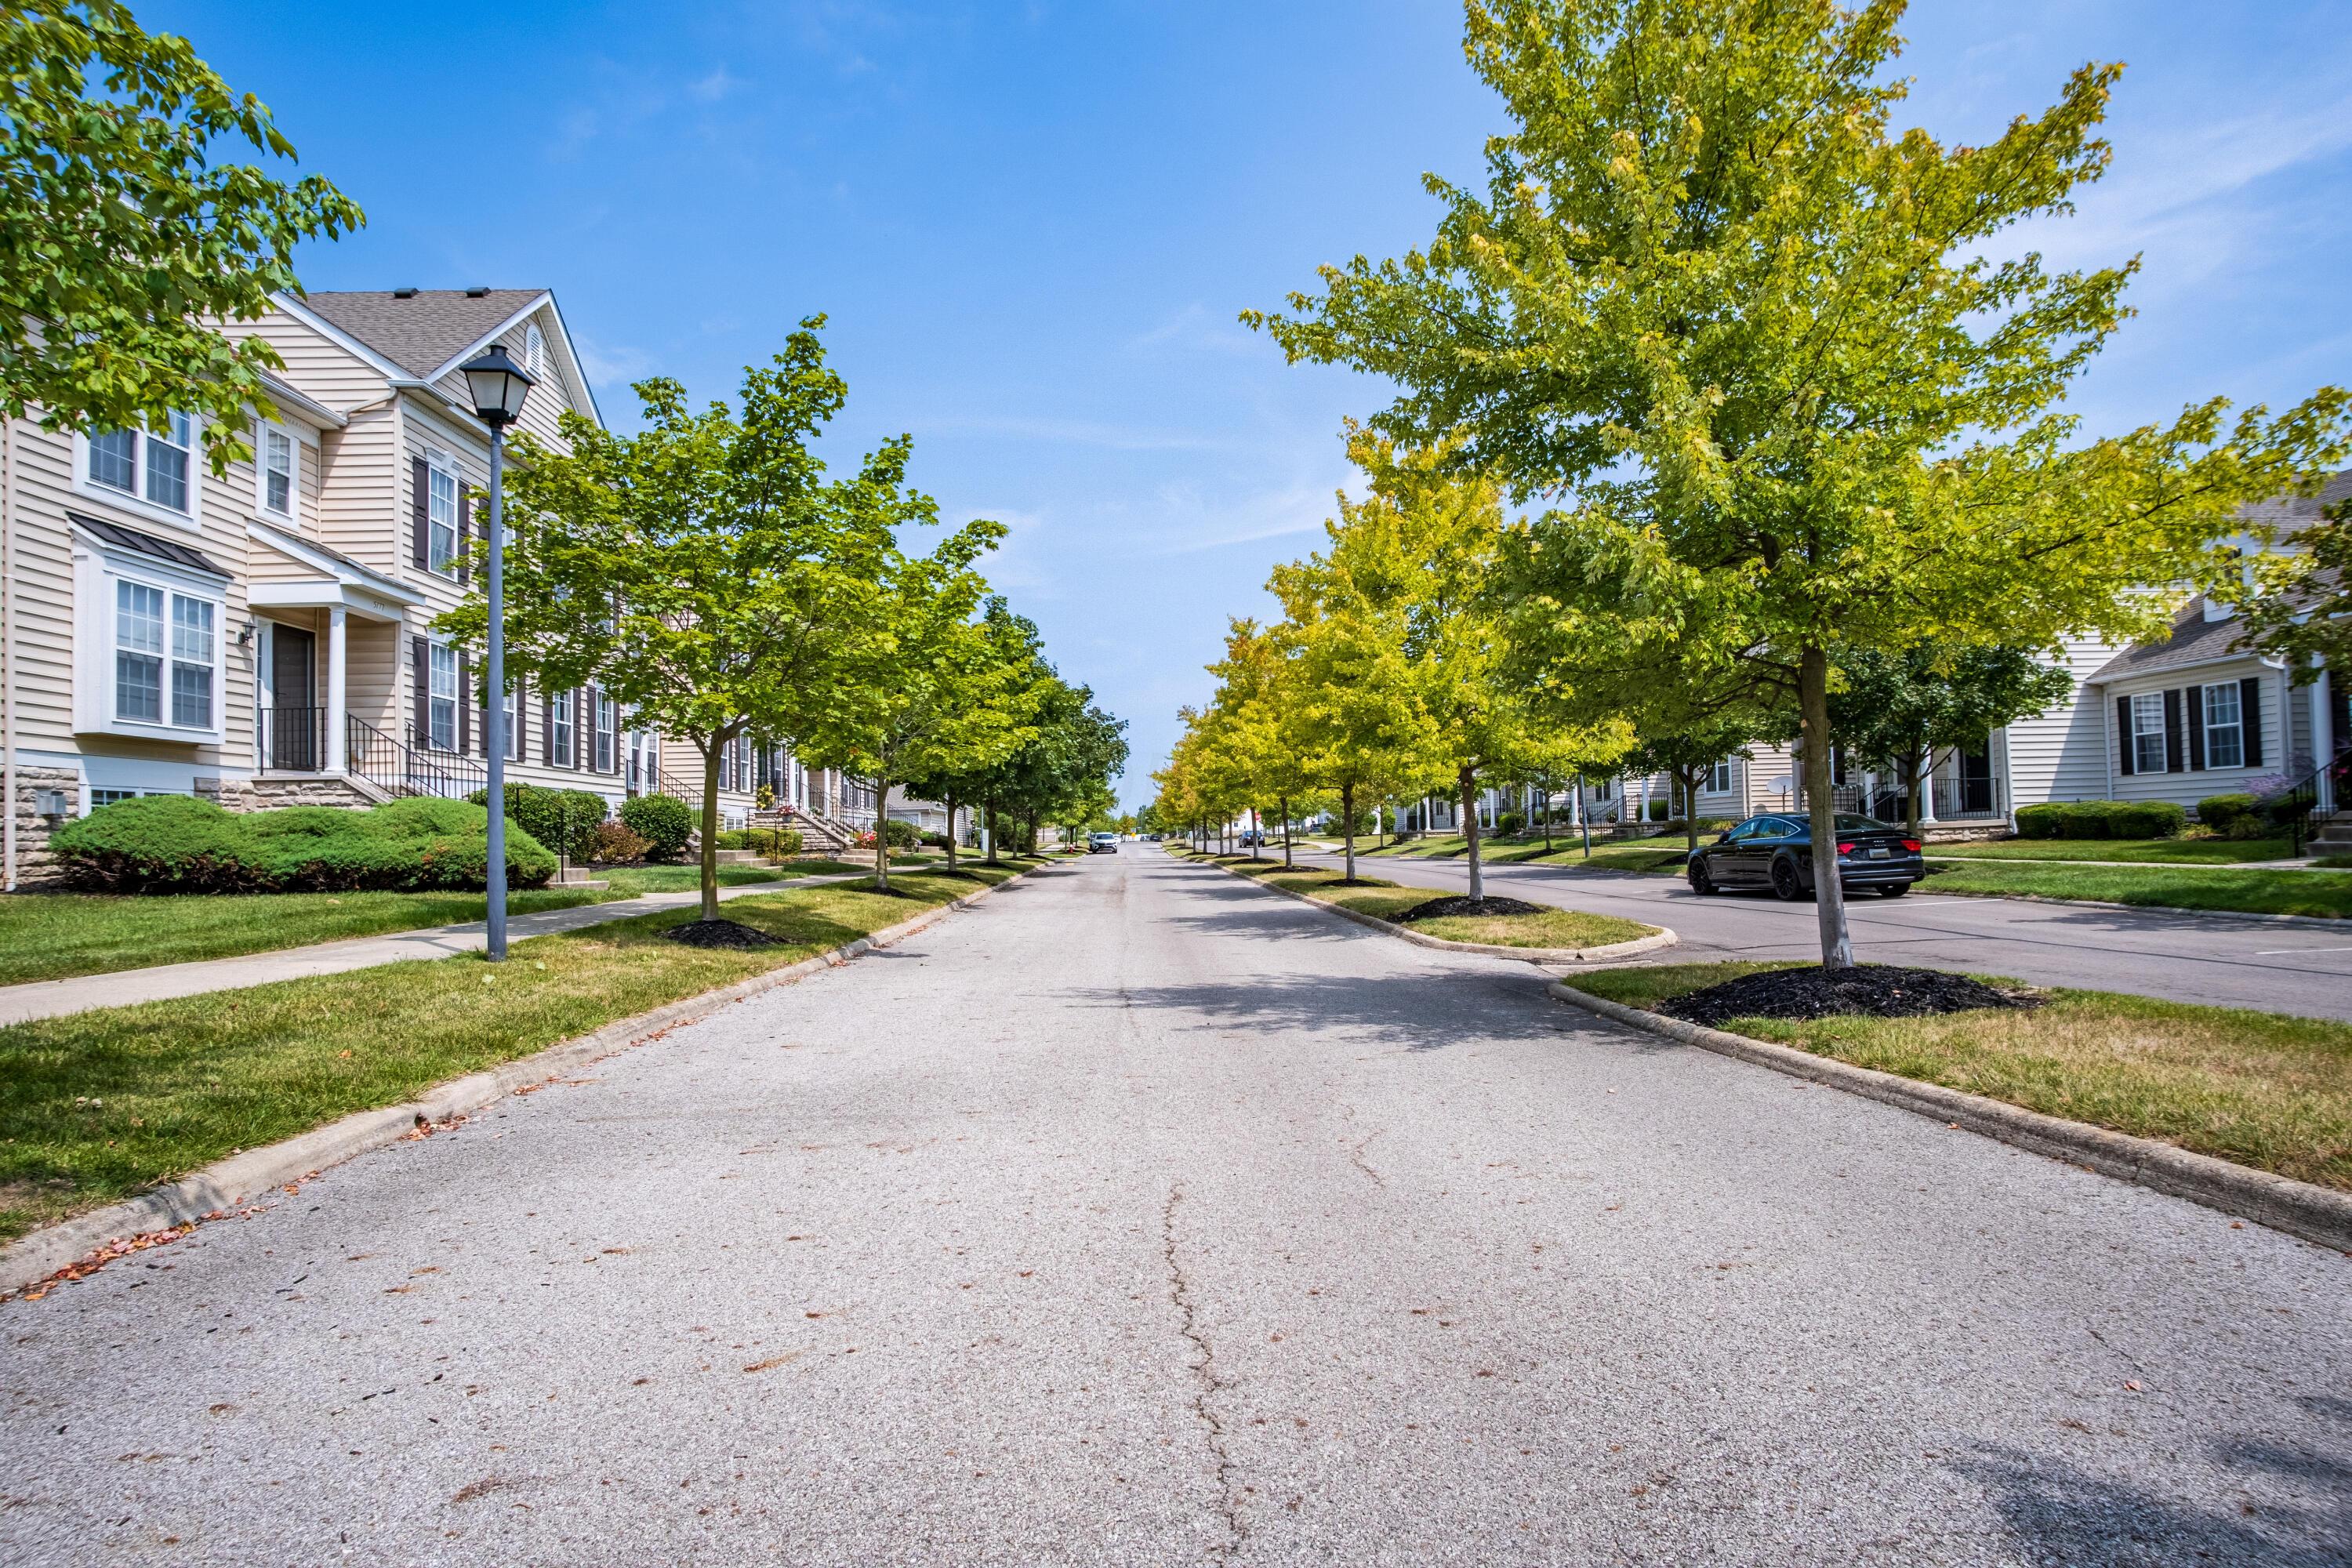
[1769, 350]
[1014, 683]
[917, 692]
[2297, 602]
[702, 572]
[1898, 710]
[126, 238]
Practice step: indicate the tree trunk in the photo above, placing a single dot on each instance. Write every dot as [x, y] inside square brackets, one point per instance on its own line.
[1348, 827]
[1468, 779]
[710, 827]
[1829, 893]
[1583, 816]
[990, 808]
[1690, 811]
[1285, 804]
[1916, 767]
[1547, 815]
[881, 839]
[950, 804]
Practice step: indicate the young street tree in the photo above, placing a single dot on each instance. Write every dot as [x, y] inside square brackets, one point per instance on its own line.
[1803, 386]
[124, 241]
[917, 692]
[1007, 691]
[701, 573]
[1362, 733]
[1898, 710]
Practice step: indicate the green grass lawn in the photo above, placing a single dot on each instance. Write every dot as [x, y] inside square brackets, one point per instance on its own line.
[53, 936]
[2153, 852]
[1666, 855]
[2327, 894]
[1386, 900]
[97, 1106]
[2260, 1090]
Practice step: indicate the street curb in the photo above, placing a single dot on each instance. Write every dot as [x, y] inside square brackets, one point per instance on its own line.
[1664, 937]
[2315, 1214]
[226, 1184]
[2322, 922]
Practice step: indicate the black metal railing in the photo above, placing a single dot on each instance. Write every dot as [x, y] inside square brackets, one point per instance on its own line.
[2291, 808]
[661, 781]
[292, 739]
[409, 769]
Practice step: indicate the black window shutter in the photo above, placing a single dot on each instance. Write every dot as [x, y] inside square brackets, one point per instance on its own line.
[2250, 719]
[420, 513]
[420, 655]
[596, 718]
[465, 534]
[2124, 735]
[547, 738]
[2172, 732]
[464, 711]
[2195, 696]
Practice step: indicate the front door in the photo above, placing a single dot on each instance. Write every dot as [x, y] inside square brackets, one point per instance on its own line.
[294, 719]
[1976, 780]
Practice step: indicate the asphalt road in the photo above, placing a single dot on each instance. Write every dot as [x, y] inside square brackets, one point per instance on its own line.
[2278, 966]
[1139, 1215]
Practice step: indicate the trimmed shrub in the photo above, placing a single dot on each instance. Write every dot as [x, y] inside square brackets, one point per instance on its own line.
[665, 822]
[1507, 823]
[2222, 812]
[2102, 819]
[173, 844]
[1660, 808]
[562, 819]
[616, 844]
[901, 835]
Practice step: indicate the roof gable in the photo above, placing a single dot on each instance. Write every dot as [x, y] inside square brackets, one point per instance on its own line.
[427, 329]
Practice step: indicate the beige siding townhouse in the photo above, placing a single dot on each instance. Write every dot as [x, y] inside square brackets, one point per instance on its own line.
[267, 636]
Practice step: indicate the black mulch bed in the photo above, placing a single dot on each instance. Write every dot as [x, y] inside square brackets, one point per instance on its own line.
[722, 933]
[1438, 909]
[960, 874]
[1869, 990]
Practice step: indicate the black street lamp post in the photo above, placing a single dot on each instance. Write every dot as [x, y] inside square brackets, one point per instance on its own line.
[498, 387]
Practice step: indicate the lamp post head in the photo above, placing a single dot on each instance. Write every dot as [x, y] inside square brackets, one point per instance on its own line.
[498, 386]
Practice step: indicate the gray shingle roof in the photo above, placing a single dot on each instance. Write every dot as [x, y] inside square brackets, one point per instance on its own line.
[421, 333]
[2193, 640]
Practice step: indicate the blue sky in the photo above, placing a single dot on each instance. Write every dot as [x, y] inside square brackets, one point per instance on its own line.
[1032, 225]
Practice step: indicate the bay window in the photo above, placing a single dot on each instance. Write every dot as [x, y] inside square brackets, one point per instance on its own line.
[192, 662]
[139, 653]
[144, 668]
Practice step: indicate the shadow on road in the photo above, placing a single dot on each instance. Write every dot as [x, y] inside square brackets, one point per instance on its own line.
[1421, 1012]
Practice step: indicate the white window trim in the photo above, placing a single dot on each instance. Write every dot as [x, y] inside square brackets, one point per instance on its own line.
[437, 461]
[2163, 751]
[2237, 695]
[97, 569]
[136, 502]
[433, 698]
[262, 430]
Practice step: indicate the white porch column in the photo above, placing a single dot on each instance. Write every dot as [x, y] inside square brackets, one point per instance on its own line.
[2324, 739]
[1925, 788]
[338, 662]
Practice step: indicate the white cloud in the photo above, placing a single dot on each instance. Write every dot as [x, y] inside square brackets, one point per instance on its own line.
[611, 364]
[1073, 432]
[714, 86]
[1196, 330]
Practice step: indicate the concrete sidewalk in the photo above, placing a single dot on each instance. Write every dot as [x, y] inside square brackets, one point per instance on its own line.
[122, 987]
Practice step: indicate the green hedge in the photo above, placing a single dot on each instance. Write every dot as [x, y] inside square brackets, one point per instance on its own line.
[782, 841]
[562, 819]
[898, 835]
[2102, 819]
[2222, 812]
[176, 844]
[663, 821]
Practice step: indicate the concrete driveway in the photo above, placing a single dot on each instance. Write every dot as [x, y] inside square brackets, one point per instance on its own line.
[2278, 966]
[1139, 1215]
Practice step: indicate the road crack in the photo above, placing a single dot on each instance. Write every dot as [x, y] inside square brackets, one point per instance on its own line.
[1356, 1158]
[1207, 1383]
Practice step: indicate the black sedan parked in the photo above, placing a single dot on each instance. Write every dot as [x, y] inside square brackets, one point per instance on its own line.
[1777, 852]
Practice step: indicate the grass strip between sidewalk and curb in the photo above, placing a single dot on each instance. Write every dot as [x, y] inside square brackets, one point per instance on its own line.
[2145, 851]
[100, 1105]
[2244, 1111]
[1568, 935]
[63, 936]
[2322, 895]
